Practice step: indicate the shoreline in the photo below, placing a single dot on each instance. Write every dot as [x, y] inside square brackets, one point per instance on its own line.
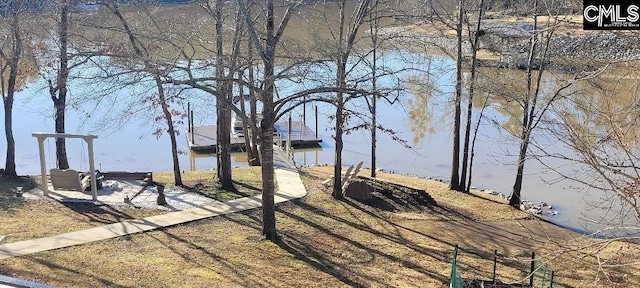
[568, 51]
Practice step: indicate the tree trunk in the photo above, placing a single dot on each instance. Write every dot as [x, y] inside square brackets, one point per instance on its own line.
[517, 186]
[374, 128]
[455, 162]
[253, 110]
[226, 182]
[223, 112]
[527, 118]
[268, 183]
[472, 82]
[10, 161]
[245, 126]
[61, 150]
[374, 99]
[60, 100]
[337, 169]
[473, 142]
[177, 175]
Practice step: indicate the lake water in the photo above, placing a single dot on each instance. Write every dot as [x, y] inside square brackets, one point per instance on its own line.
[127, 142]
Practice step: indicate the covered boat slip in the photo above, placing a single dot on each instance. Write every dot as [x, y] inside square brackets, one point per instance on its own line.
[204, 138]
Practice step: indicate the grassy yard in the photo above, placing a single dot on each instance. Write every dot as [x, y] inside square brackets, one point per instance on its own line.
[247, 182]
[400, 238]
[23, 220]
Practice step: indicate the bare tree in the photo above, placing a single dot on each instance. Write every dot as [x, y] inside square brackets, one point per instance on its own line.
[600, 127]
[223, 113]
[346, 39]
[265, 40]
[266, 46]
[58, 89]
[374, 30]
[142, 54]
[474, 37]
[11, 53]
[253, 110]
[455, 160]
[527, 98]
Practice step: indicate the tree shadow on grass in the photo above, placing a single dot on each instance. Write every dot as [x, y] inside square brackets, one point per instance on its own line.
[246, 186]
[104, 214]
[213, 191]
[247, 277]
[298, 246]
[304, 173]
[469, 232]
[30, 275]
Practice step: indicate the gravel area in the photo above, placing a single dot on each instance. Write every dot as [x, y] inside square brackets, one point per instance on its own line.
[176, 199]
[127, 192]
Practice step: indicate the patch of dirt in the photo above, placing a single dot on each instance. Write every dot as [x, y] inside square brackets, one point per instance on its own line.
[397, 198]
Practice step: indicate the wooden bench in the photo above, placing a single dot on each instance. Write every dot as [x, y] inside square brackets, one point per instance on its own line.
[69, 179]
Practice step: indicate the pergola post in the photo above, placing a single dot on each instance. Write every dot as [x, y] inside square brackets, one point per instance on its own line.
[92, 169]
[43, 165]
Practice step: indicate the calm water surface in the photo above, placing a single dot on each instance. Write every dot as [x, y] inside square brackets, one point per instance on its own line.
[127, 142]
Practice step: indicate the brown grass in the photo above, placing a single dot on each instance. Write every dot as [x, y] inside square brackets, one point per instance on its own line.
[247, 182]
[328, 243]
[23, 220]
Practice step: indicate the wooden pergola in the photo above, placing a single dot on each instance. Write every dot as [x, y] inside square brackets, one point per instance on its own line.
[41, 136]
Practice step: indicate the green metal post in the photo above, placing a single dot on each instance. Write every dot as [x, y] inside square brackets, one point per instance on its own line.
[495, 262]
[533, 267]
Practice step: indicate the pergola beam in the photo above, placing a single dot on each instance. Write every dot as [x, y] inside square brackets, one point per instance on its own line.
[41, 136]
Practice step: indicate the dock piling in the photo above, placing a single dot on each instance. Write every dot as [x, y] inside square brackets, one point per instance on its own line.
[188, 118]
[289, 135]
[193, 139]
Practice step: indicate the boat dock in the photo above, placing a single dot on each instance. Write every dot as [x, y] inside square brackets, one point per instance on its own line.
[204, 138]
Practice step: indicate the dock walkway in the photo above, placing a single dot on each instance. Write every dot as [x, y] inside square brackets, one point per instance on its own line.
[205, 139]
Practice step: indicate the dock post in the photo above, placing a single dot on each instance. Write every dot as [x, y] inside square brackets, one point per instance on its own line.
[316, 121]
[188, 117]
[193, 140]
[289, 136]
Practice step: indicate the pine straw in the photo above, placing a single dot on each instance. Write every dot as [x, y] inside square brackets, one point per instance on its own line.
[328, 243]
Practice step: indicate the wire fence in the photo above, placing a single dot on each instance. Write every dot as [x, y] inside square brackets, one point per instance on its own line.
[539, 275]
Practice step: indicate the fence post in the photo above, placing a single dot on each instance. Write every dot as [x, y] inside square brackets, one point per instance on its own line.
[495, 261]
[533, 266]
[553, 274]
[455, 280]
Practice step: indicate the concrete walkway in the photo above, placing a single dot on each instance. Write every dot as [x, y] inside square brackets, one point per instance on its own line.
[289, 187]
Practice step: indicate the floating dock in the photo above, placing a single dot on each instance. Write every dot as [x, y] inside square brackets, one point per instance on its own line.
[205, 138]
